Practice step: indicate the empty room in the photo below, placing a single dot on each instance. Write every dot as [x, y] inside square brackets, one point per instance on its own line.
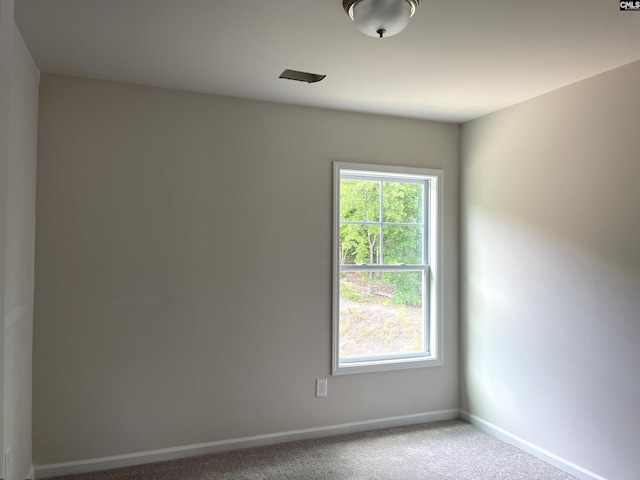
[323, 239]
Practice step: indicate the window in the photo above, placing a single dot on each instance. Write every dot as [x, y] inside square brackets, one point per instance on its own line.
[387, 268]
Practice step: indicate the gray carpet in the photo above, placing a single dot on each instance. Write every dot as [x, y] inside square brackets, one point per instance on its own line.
[452, 450]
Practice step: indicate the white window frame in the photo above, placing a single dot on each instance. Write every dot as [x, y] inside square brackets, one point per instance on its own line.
[433, 303]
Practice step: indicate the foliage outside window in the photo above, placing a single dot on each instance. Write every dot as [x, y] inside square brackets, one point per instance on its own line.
[386, 268]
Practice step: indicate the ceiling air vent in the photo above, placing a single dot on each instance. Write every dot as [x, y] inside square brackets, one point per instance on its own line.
[301, 76]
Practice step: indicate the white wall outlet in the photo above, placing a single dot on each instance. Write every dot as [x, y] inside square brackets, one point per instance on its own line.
[321, 387]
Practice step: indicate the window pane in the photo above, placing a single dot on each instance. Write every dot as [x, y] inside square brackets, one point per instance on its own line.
[402, 244]
[403, 202]
[359, 244]
[381, 314]
[359, 200]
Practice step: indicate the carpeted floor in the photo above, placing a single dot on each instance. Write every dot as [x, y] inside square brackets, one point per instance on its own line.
[451, 450]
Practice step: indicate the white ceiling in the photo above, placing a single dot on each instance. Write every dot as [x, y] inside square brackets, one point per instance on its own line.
[457, 60]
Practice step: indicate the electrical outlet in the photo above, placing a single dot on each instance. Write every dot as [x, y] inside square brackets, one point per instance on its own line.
[321, 387]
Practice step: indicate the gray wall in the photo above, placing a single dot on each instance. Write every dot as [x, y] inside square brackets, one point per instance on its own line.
[17, 224]
[551, 276]
[183, 268]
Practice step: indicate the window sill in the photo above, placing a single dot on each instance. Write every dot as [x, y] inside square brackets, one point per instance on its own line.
[386, 365]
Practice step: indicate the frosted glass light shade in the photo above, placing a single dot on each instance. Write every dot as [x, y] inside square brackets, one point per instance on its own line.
[380, 18]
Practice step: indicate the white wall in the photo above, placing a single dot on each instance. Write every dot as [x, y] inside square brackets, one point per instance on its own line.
[17, 223]
[551, 272]
[21, 202]
[183, 268]
[6, 56]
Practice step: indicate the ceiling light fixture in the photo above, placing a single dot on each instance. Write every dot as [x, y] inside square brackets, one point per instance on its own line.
[380, 18]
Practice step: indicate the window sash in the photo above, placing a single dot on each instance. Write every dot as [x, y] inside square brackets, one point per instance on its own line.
[397, 178]
[426, 324]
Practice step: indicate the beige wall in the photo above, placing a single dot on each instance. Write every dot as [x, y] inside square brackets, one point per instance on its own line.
[17, 223]
[551, 271]
[183, 268]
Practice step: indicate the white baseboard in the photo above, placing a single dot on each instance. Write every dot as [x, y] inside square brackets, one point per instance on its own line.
[128, 460]
[32, 474]
[553, 459]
